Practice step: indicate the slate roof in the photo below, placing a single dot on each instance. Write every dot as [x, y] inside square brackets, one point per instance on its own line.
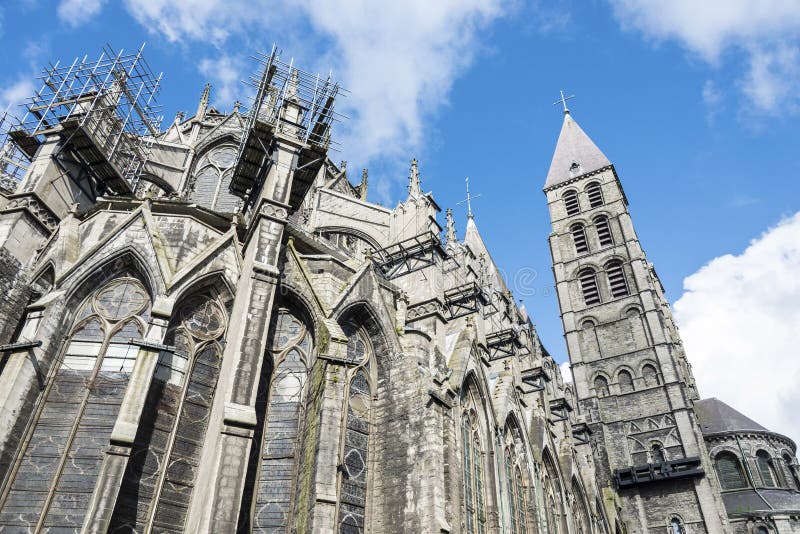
[716, 416]
[573, 146]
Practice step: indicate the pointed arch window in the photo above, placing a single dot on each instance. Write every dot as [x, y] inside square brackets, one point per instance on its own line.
[588, 281]
[603, 228]
[515, 484]
[571, 203]
[353, 500]
[601, 386]
[650, 375]
[160, 476]
[578, 232]
[80, 403]
[765, 468]
[595, 195]
[617, 284]
[474, 474]
[625, 381]
[729, 471]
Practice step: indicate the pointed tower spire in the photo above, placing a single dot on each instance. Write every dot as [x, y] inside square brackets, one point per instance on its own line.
[450, 234]
[414, 183]
[575, 154]
[202, 106]
[362, 189]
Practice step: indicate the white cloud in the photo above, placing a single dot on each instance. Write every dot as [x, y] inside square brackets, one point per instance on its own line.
[228, 72]
[739, 319]
[766, 31]
[76, 12]
[14, 93]
[398, 59]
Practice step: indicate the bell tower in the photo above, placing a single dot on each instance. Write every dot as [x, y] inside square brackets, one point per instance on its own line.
[633, 383]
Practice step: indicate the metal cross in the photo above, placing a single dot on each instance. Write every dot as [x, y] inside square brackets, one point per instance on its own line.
[468, 200]
[563, 101]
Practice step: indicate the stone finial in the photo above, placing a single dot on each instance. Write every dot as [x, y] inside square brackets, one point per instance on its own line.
[179, 116]
[202, 106]
[414, 183]
[236, 106]
[450, 234]
[362, 189]
[291, 89]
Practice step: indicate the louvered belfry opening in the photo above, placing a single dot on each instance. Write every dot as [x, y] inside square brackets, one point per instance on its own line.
[571, 203]
[595, 195]
[604, 236]
[591, 294]
[579, 237]
[617, 284]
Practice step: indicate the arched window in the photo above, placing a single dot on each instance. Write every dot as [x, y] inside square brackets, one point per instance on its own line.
[650, 376]
[281, 404]
[604, 235]
[657, 454]
[601, 386]
[79, 406]
[729, 471]
[571, 203]
[595, 195]
[765, 468]
[474, 474]
[160, 476]
[625, 381]
[787, 462]
[588, 280]
[552, 496]
[579, 238]
[676, 526]
[762, 530]
[617, 284]
[353, 501]
[515, 482]
[210, 185]
[581, 518]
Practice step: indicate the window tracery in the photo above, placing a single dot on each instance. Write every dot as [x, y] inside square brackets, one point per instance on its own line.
[80, 405]
[474, 474]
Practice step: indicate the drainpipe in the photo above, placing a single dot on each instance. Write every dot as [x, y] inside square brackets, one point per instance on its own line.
[749, 473]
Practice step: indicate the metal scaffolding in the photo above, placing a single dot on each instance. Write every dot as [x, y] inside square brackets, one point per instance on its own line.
[13, 161]
[105, 110]
[289, 101]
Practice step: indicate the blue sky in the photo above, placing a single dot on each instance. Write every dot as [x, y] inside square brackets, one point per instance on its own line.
[696, 105]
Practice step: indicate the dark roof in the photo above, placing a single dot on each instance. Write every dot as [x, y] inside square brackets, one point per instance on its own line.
[715, 416]
[574, 147]
[744, 501]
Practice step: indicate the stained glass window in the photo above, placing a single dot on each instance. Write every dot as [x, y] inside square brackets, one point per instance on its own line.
[352, 507]
[474, 474]
[80, 407]
[285, 397]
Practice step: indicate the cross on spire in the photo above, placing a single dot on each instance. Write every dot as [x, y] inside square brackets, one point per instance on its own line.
[468, 200]
[563, 101]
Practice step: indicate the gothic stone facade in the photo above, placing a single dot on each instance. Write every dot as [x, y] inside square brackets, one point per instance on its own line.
[297, 359]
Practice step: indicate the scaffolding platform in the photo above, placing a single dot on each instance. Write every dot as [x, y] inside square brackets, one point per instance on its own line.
[13, 160]
[464, 299]
[105, 112]
[409, 255]
[292, 102]
[503, 344]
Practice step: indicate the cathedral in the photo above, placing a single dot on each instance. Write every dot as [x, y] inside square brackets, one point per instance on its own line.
[207, 327]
